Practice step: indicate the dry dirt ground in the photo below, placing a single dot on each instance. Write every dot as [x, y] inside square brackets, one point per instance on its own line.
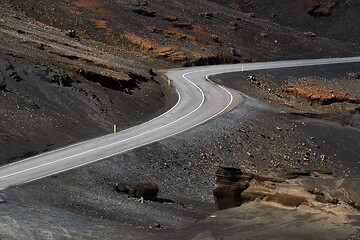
[59, 86]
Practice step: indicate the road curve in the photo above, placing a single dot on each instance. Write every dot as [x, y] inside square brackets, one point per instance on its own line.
[199, 100]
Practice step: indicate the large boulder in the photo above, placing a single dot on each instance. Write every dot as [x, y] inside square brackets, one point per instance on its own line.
[146, 190]
[234, 188]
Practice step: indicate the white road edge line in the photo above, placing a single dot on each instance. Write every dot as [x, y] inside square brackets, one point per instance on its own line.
[117, 142]
[114, 154]
[294, 63]
[231, 97]
[77, 144]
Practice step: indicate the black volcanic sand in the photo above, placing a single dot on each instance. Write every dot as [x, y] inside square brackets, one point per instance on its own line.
[338, 132]
[45, 106]
[294, 15]
[255, 136]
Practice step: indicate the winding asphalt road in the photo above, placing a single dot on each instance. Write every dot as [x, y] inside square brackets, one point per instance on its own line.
[199, 100]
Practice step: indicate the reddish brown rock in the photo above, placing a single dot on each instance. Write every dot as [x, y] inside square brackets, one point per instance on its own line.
[319, 95]
[143, 43]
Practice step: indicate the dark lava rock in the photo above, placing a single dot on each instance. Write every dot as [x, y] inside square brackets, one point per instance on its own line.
[234, 25]
[295, 173]
[230, 183]
[122, 188]
[2, 84]
[215, 38]
[353, 75]
[146, 190]
[139, 3]
[208, 15]
[319, 8]
[183, 25]
[144, 12]
[15, 76]
[71, 33]
[152, 73]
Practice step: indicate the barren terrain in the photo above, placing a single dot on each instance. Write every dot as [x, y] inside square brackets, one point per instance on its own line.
[70, 70]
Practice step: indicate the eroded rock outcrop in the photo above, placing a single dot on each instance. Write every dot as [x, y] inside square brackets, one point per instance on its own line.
[319, 95]
[290, 189]
[168, 52]
[230, 183]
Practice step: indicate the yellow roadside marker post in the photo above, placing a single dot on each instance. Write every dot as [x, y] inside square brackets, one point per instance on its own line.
[114, 128]
[169, 82]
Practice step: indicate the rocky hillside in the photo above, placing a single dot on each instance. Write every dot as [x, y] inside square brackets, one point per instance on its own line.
[71, 69]
[331, 18]
[199, 32]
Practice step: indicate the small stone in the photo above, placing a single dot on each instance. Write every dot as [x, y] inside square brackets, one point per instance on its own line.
[309, 34]
[316, 191]
[71, 33]
[208, 15]
[215, 38]
[334, 201]
[252, 15]
[234, 25]
[158, 225]
[249, 154]
[353, 75]
[122, 188]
